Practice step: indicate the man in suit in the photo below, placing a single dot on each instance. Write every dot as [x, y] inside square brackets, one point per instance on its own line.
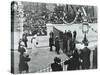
[51, 43]
[74, 35]
[73, 61]
[51, 34]
[85, 57]
[57, 45]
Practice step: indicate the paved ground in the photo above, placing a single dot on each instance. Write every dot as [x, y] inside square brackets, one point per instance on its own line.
[41, 57]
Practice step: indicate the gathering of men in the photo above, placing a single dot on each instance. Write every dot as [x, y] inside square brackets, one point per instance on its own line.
[46, 36]
[68, 41]
[78, 59]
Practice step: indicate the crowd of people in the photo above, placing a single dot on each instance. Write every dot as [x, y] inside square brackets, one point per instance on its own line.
[79, 59]
[69, 41]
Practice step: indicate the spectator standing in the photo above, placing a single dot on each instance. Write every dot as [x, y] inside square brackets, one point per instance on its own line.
[74, 35]
[23, 59]
[52, 34]
[51, 43]
[85, 57]
[73, 61]
[23, 65]
[24, 39]
[57, 45]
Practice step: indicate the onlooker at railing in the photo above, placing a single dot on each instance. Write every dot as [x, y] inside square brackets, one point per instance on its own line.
[56, 66]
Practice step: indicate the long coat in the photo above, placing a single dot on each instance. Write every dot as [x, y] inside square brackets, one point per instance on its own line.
[23, 65]
[73, 63]
[74, 34]
[85, 56]
[51, 42]
[57, 45]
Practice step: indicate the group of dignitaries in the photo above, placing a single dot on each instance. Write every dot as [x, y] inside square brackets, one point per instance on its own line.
[68, 41]
[78, 59]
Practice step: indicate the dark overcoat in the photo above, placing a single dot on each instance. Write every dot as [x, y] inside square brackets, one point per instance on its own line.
[56, 67]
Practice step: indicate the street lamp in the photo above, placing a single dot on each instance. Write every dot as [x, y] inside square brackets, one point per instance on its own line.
[85, 29]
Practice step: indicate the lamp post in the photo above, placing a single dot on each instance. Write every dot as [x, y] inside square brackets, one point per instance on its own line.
[85, 29]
